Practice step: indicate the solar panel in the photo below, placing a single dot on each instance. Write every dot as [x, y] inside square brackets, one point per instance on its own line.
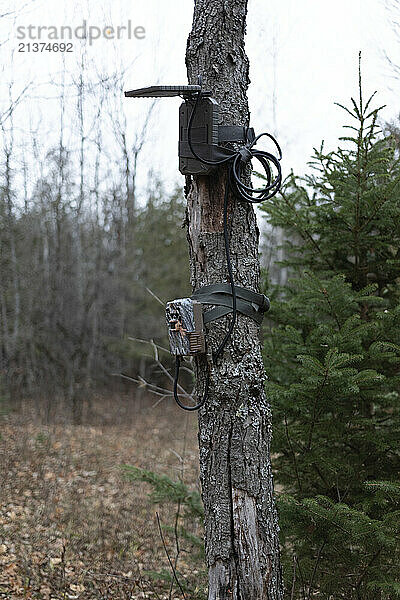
[163, 91]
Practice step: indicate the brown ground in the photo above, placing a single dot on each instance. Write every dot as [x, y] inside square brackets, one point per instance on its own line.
[71, 526]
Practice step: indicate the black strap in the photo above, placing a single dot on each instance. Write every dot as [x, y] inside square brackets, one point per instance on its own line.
[209, 152]
[248, 303]
[213, 152]
[226, 133]
[236, 133]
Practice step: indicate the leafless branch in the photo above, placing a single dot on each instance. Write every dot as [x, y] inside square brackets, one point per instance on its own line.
[155, 297]
[169, 558]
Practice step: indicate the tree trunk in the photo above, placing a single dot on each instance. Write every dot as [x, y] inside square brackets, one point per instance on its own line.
[241, 530]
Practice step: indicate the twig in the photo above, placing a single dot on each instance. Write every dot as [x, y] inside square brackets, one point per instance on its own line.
[140, 579]
[304, 233]
[164, 370]
[178, 550]
[155, 297]
[155, 350]
[314, 409]
[151, 343]
[168, 556]
[157, 402]
[303, 589]
[157, 390]
[294, 577]
[317, 560]
[187, 369]
[367, 566]
[293, 454]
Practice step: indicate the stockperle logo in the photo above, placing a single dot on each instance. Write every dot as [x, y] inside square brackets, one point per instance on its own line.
[84, 31]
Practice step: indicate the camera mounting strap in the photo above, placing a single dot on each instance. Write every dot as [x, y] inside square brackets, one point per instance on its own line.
[248, 303]
[226, 133]
[236, 133]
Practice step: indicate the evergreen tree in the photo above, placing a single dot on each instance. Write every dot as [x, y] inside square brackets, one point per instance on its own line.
[332, 352]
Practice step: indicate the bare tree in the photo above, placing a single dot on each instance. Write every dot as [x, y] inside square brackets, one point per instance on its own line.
[241, 529]
[7, 198]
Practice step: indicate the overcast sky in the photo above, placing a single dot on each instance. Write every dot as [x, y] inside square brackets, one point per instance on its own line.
[303, 56]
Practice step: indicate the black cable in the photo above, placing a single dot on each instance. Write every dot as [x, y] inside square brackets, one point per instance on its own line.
[235, 163]
[176, 396]
[190, 123]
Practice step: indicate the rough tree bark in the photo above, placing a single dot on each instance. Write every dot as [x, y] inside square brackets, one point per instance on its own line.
[241, 529]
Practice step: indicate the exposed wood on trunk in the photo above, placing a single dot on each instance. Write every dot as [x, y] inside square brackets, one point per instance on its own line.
[241, 530]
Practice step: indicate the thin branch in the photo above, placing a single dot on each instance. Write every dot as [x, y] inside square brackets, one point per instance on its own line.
[367, 566]
[166, 372]
[306, 234]
[317, 561]
[157, 390]
[8, 113]
[149, 342]
[314, 408]
[303, 589]
[168, 556]
[293, 578]
[293, 454]
[178, 550]
[155, 297]
[160, 400]
[155, 350]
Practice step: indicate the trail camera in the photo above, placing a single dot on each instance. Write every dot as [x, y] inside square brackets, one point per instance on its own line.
[206, 131]
[185, 327]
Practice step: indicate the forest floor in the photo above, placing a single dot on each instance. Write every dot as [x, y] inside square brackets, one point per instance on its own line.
[71, 525]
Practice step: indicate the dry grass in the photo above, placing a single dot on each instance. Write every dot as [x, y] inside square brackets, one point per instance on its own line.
[70, 525]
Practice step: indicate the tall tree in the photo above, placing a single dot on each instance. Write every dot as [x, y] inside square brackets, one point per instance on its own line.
[241, 530]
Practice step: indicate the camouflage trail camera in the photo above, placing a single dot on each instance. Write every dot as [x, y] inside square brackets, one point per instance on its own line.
[184, 318]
